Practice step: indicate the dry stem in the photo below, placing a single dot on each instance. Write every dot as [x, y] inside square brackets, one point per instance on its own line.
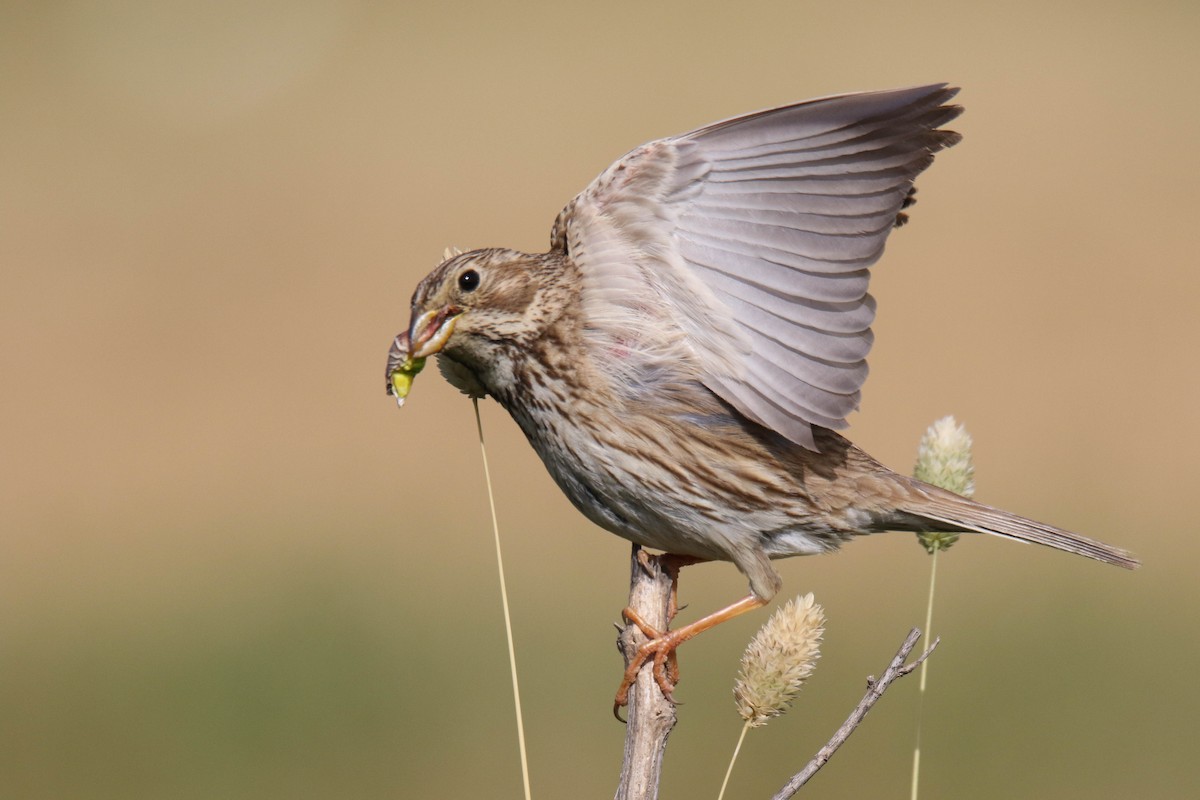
[875, 690]
[651, 716]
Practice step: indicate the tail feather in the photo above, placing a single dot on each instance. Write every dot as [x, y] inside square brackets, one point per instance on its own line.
[962, 514]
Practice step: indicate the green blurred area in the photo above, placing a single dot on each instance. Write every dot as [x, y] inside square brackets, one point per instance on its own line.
[232, 569]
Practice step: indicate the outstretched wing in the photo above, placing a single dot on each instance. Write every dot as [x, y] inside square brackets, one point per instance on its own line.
[741, 251]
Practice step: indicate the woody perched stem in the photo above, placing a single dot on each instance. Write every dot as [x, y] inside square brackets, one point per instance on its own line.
[651, 715]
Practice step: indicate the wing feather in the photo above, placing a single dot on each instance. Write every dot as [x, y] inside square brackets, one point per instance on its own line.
[739, 254]
[757, 265]
[840, 348]
[830, 317]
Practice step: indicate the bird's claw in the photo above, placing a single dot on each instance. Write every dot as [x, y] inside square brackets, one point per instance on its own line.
[665, 664]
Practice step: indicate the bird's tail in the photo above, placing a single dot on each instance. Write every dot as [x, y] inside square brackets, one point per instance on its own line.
[952, 512]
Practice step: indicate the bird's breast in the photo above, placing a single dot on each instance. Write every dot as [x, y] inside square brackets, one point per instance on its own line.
[672, 469]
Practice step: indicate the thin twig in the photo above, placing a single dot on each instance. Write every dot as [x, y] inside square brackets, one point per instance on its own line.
[875, 690]
[916, 767]
[508, 632]
[733, 760]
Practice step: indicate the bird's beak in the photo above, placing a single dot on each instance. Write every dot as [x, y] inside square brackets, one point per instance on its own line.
[427, 335]
[429, 332]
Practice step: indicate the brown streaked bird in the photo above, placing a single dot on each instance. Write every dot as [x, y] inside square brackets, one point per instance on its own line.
[682, 355]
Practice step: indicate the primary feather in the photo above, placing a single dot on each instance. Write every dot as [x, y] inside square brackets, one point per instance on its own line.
[742, 249]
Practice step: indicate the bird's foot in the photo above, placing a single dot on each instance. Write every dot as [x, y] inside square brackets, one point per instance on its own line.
[661, 646]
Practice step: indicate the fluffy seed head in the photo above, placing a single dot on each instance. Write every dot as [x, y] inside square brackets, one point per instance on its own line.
[944, 459]
[778, 660]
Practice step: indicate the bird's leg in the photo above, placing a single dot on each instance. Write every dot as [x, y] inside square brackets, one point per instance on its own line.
[671, 564]
[662, 645]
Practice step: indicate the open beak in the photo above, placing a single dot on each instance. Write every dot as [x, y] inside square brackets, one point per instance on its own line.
[429, 332]
[427, 335]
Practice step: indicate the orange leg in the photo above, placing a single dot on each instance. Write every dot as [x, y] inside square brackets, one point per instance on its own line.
[662, 646]
[672, 563]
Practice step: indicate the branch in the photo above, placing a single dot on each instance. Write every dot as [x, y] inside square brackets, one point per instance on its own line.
[651, 716]
[875, 690]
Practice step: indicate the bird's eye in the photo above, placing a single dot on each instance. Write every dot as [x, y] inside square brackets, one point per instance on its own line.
[468, 281]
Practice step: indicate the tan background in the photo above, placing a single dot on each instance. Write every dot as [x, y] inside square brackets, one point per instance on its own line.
[231, 568]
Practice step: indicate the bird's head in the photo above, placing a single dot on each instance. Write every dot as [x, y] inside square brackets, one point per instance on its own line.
[468, 309]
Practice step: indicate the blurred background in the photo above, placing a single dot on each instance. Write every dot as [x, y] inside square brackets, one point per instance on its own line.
[231, 568]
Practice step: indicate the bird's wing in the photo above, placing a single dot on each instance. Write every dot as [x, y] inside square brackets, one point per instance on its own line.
[742, 249]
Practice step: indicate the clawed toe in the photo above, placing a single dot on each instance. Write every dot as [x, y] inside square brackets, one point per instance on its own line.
[662, 647]
[665, 665]
[647, 630]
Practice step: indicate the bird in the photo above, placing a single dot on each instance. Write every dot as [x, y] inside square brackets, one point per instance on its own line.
[684, 354]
